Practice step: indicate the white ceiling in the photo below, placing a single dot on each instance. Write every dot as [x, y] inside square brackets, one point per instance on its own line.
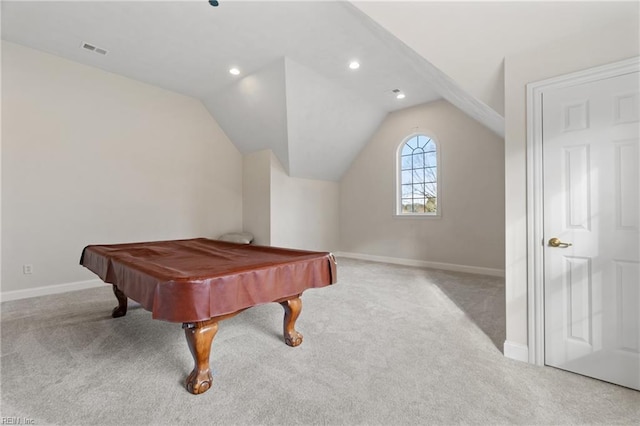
[314, 126]
[468, 40]
[296, 94]
[189, 46]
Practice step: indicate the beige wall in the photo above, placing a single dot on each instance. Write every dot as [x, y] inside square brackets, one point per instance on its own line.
[589, 49]
[304, 212]
[256, 196]
[92, 157]
[283, 211]
[470, 231]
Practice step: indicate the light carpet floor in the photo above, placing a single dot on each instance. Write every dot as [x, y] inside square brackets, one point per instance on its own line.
[385, 345]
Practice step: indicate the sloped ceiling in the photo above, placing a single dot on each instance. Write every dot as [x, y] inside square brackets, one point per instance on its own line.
[295, 94]
[468, 40]
[327, 125]
[314, 126]
[253, 111]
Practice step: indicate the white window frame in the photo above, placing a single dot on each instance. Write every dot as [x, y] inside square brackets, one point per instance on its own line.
[397, 211]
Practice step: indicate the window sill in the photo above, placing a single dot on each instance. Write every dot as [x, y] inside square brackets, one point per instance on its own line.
[417, 216]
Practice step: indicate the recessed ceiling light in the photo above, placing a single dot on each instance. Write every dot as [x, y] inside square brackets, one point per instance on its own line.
[354, 65]
[234, 71]
[398, 93]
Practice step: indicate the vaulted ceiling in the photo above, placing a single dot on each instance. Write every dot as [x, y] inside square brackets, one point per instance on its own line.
[468, 40]
[296, 94]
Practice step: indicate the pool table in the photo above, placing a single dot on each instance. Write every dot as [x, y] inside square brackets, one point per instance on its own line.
[199, 282]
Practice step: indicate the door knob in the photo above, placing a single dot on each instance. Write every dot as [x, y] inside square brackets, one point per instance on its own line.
[555, 242]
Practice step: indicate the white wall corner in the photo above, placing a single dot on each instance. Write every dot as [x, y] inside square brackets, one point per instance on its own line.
[6, 296]
[516, 351]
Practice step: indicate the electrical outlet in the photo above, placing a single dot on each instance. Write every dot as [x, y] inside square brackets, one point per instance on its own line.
[27, 269]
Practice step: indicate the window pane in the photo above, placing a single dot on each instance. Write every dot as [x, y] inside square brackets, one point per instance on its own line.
[430, 146]
[431, 206]
[406, 162]
[422, 141]
[418, 176]
[430, 159]
[418, 161]
[430, 174]
[431, 190]
[407, 177]
[418, 190]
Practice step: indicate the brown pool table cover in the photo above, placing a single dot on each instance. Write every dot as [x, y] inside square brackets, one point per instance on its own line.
[197, 279]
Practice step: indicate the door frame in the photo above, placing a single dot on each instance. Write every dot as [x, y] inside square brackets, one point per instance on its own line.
[535, 193]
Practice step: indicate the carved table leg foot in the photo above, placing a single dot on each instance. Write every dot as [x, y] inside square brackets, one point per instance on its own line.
[292, 308]
[199, 338]
[121, 309]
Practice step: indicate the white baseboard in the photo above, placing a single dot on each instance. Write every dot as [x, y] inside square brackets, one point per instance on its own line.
[424, 264]
[516, 351]
[5, 296]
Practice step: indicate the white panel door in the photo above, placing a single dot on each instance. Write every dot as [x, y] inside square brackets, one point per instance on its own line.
[591, 158]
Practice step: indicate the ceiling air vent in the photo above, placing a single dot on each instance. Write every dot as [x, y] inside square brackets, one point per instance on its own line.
[95, 49]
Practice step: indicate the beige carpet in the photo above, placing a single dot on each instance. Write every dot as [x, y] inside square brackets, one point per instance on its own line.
[385, 345]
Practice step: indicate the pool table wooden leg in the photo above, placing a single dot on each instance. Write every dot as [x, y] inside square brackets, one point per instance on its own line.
[121, 309]
[292, 308]
[199, 338]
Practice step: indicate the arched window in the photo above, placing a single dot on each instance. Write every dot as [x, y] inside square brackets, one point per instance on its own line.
[418, 177]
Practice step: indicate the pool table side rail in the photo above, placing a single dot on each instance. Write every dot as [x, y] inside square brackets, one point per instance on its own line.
[180, 299]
